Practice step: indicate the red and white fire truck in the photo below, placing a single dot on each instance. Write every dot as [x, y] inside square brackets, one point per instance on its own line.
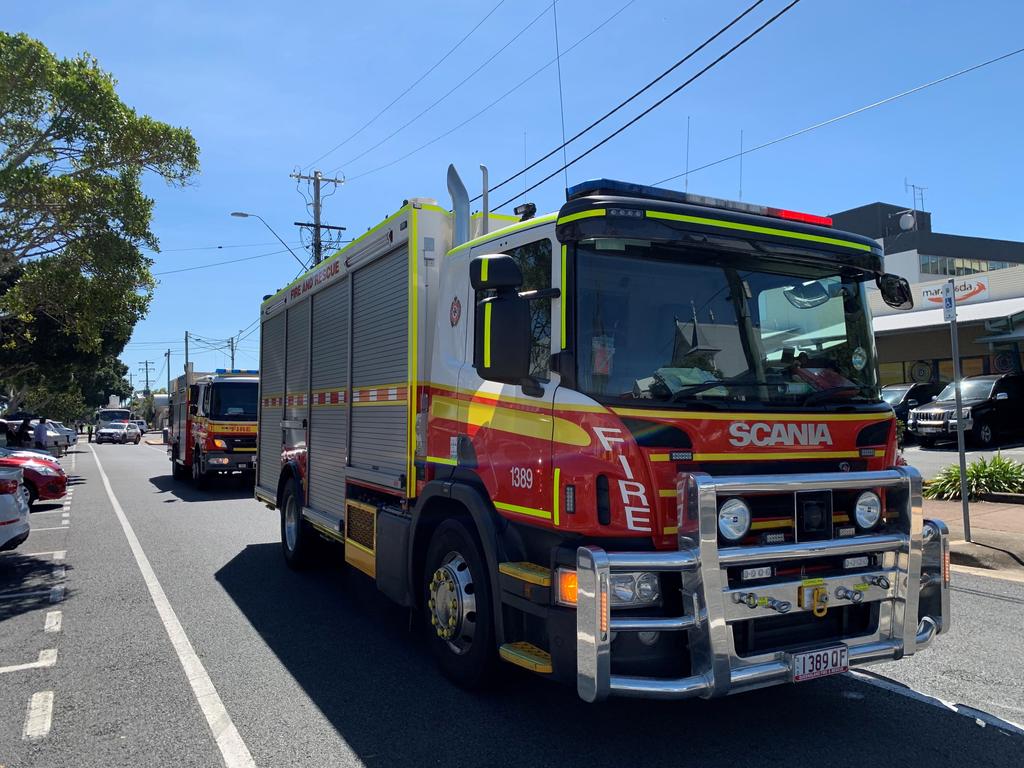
[636, 444]
[212, 424]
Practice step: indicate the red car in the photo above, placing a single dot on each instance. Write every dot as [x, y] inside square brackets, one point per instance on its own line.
[44, 478]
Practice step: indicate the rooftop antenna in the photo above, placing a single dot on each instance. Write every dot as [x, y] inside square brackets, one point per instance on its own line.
[915, 191]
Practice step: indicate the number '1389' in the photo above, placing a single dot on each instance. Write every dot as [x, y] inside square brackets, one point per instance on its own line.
[522, 477]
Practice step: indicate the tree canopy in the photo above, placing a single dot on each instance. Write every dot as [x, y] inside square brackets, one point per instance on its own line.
[73, 222]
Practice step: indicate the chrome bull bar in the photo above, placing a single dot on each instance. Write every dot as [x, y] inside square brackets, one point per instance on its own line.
[711, 607]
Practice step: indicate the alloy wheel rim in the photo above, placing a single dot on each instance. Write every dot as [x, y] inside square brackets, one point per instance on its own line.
[291, 524]
[452, 603]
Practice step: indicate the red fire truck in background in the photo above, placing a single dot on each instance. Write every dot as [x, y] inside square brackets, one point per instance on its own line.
[637, 444]
[212, 424]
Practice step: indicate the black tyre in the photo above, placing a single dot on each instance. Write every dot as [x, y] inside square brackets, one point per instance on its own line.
[178, 471]
[983, 434]
[33, 492]
[199, 478]
[138, 440]
[297, 540]
[459, 613]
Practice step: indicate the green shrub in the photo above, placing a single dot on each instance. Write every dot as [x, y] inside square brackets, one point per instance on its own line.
[998, 475]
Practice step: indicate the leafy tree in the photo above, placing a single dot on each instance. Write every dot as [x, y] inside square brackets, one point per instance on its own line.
[72, 153]
[73, 220]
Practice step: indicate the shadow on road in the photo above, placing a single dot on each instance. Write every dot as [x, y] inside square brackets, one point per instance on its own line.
[356, 657]
[219, 489]
[25, 583]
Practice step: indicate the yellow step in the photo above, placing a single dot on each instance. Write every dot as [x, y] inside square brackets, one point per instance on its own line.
[528, 572]
[527, 656]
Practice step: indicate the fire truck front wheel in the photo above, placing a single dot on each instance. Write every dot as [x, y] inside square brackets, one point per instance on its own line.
[457, 597]
[296, 539]
[200, 478]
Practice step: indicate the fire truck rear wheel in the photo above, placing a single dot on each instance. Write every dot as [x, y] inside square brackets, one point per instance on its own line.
[296, 539]
[459, 613]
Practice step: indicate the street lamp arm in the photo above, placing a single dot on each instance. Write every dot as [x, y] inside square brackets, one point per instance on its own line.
[241, 215]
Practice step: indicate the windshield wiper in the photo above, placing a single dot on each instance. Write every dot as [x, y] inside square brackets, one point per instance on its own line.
[825, 394]
[693, 389]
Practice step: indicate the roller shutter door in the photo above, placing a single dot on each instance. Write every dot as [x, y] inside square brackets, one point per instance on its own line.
[379, 365]
[328, 426]
[271, 398]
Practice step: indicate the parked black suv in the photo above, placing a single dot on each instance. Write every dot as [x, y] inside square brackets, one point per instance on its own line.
[993, 406]
[903, 397]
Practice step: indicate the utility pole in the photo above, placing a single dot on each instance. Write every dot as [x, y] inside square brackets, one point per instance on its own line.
[167, 354]
[188, 379]
[317, 178]
[231, 346]
[147, 367]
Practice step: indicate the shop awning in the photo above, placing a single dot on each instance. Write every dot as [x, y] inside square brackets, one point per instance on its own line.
[1006, 336]
[932, 318]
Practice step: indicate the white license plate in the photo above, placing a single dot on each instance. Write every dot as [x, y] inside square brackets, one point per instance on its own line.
[929, 430]
[821, 663]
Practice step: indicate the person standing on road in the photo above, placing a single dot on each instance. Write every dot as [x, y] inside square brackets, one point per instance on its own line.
[25, 433]
[40, 433]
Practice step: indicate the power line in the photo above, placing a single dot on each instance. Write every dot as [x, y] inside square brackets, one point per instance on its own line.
[622, 104]
[462, 82]
[656, 104]
[212, 247]
[218, 263]
[845, 115]
[398, 98]
[493, 104]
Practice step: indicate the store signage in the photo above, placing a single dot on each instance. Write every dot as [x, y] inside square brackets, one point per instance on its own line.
[968, 290]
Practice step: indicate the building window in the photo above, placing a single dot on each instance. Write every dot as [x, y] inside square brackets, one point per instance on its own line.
[951, 266]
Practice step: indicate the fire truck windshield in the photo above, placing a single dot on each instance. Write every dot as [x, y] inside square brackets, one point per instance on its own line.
[692, 327]
[235, 401]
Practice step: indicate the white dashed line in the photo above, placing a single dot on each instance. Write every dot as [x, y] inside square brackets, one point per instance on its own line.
[59, 555]
[57, 593]
[47, 658]
[58, 528]
[54, 619]
[48, 512]
[58, 572]
[39, 717]
[232, 749]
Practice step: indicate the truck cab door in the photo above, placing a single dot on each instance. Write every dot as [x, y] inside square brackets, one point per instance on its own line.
[511, 427]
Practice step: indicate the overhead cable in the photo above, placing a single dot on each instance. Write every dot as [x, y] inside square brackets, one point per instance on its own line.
[656, 104]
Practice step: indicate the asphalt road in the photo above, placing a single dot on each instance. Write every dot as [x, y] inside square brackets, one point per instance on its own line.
[930, 461]
[316, 669]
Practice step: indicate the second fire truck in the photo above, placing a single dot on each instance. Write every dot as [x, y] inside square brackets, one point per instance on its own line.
[212, 424]
[636, 444]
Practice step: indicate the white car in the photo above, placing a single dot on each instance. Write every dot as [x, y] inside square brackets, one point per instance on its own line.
[119, 432]
[14, 525]
[55, 441]
[141, 424]
[70, 435]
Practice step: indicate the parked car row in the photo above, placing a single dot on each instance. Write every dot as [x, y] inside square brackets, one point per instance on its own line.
[993, 408]
[14, 525]
[26, 476]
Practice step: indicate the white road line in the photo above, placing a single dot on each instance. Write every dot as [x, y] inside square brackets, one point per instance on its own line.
[47, 512]
[980, 717]
[58, 572]
[57, 593]
[232, 749]
[19, 595]
[54, 619]
[47, 658]
[1001, 575]
[39, 717]
[59, 555]
[58, 528]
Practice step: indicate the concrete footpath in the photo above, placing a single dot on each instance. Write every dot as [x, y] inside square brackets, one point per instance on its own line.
[997, 532]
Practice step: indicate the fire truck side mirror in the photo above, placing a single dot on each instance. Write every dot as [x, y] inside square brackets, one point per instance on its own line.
[494, 271]
[501, 349]
[895, 291]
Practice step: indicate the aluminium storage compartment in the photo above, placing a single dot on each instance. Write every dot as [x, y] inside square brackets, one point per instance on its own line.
[336, 350]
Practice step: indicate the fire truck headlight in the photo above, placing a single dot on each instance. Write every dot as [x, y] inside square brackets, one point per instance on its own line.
[216, 442]
[868, 510]
[734, 519]
[635, 589]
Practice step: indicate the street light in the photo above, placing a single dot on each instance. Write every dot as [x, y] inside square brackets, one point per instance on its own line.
[243, 215]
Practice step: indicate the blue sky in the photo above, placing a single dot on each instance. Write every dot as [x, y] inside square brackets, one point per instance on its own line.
[268, 87]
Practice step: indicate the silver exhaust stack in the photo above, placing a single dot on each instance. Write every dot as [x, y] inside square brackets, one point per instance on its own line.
[484, 226]
[460, 207]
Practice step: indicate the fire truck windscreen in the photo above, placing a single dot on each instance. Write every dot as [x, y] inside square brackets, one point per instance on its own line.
[234, 401]
[688, 326]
